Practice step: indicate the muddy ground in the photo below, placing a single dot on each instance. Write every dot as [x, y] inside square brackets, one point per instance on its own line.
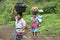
[6, 33]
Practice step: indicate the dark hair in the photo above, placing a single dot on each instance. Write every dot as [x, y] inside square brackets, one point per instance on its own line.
[34, 12]
[20, 14]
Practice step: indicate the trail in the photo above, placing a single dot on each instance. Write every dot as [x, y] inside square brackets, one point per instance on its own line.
[6, 33]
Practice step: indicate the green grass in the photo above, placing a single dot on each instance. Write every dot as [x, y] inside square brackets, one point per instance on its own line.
[50, 24]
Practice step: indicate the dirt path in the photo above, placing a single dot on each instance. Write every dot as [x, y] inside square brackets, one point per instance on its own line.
[6, 33]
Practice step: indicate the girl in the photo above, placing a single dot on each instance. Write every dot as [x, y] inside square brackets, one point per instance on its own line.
[34, 26]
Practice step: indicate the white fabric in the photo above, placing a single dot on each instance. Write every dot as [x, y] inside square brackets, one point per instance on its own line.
[40, 11]
[20, 30]
[21, 23]
[40, 20]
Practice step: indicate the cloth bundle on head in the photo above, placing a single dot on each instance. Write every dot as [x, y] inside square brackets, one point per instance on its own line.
[20, 8]
[34, 10]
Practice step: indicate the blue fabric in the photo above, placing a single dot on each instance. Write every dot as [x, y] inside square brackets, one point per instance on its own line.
[15, 35]
[34, 29]
[37, 21]
[40, 17]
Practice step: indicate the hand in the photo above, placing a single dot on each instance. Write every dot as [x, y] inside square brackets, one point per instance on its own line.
[21, 30]
[13, 11]
[30, 26]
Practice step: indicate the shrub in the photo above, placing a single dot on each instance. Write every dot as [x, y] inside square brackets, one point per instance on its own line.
[50, 7]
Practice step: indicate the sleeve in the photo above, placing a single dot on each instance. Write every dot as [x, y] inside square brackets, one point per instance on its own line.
[36, 18]
[24, 23]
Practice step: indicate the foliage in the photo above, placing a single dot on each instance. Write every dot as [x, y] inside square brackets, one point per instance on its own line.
[51, 22]
[51, 7]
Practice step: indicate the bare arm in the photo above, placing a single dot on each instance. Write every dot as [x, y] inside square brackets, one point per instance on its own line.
[13, 12]
[23, 28]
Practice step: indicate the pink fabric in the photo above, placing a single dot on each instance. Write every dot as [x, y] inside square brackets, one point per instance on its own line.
[34, 25]
[20, 33]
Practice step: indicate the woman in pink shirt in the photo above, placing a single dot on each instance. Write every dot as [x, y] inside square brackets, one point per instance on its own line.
[19, 25]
